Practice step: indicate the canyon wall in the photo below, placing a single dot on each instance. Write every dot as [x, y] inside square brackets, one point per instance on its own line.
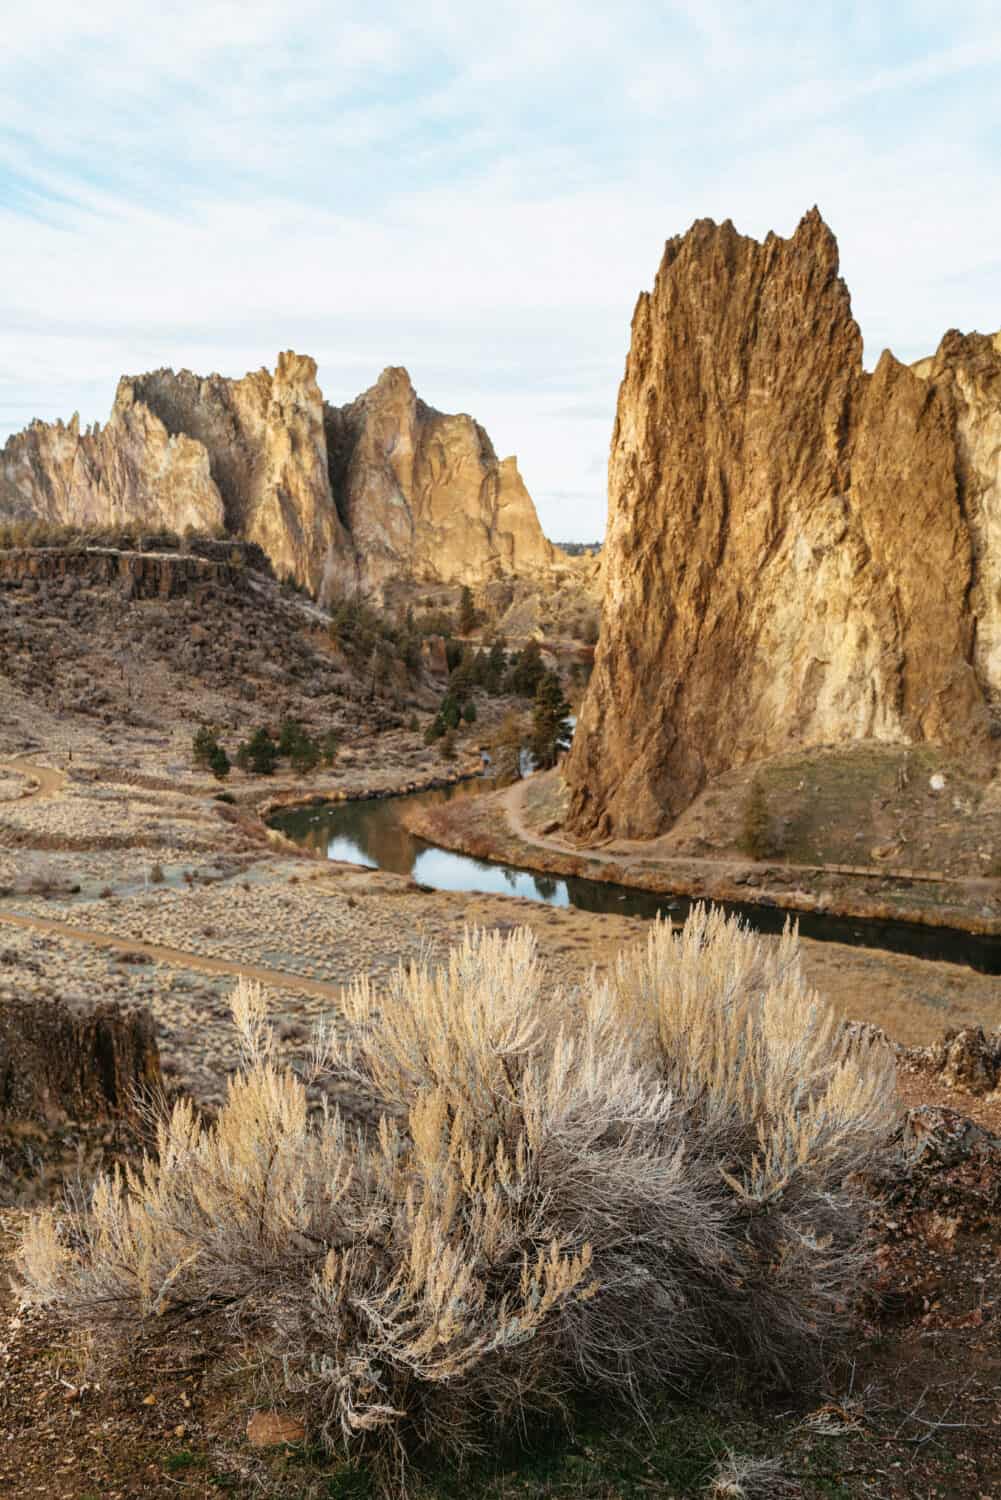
[798, 552]
[338, 497]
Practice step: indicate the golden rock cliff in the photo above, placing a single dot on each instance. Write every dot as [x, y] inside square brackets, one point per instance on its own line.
[798, 553]
[338, 497]
[419, 485]
[132, 470]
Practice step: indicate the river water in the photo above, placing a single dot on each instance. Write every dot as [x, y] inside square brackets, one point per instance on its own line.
[372, 833]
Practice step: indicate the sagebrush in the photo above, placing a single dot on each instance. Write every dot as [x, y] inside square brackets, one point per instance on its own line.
[596, 1189]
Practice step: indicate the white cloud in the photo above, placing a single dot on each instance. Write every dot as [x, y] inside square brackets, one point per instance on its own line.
[476, 192]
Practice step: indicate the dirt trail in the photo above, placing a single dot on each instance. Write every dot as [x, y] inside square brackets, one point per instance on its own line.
[625, 854]
[49, 781]
[176, 956]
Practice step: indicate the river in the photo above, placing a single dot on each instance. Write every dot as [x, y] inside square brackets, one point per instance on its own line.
[372, 833]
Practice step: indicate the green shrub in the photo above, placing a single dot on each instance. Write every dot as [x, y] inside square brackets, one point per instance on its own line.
[219, 763]
[756, 834]
[203, 745]
[257, 755]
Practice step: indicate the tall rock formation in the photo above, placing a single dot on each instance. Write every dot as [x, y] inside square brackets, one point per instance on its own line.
[132, 470]
[798, 553]
[267, 451]
[338, 497]
[414, 483]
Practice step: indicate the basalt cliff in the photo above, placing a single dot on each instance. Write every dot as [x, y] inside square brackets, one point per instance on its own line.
[798, 552]
[338, 497]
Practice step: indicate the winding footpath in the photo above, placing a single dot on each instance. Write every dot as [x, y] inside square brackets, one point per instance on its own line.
[177, 957]
[48, 782]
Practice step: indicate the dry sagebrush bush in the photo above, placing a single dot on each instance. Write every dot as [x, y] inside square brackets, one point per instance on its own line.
[566, 1191]
[785, 1107]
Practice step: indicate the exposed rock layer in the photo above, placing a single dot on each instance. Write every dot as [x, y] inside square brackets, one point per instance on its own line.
[138, 575]
[65, 1058]
[336, 496]
[798, 552]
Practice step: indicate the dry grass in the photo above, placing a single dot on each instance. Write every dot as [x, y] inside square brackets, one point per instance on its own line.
[597, 1189]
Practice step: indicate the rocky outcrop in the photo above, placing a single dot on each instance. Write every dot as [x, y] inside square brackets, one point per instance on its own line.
[417, 486]
[133, 471]
[70, 1058]
[338, 497]
[798, 552]
[137, 575]
[265, 440]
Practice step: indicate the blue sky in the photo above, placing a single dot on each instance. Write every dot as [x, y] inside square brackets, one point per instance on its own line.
[475, 191]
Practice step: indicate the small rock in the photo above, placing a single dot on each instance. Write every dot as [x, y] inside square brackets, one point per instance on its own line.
[269, 1429]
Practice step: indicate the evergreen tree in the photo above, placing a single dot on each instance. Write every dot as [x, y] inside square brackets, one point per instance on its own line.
[450, 711]
[219, 763]
[462, 680]
[527, 671]
[496, 667]
[203, 745]
[469, 712]
[305, 755]
[329, 746]
[258, 754]
[453, 653]
[550, 730]
[468, 618]
[289, 734]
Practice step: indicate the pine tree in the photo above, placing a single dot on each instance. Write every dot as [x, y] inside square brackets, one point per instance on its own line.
[550, 730]
[219, 763]
[496, 667]
[203, 745]
[258, 754]
[468, 618]
[527, 671]
[289, 734]
[305, 755]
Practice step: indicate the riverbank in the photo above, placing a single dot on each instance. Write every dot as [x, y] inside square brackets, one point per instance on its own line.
[519, 826]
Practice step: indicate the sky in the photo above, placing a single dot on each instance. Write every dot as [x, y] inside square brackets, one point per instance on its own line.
[476, 191]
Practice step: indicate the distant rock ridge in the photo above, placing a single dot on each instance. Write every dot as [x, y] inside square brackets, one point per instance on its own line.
[798, 552]
[338, 497]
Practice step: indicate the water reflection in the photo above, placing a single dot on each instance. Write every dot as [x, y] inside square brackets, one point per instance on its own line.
[373, 834]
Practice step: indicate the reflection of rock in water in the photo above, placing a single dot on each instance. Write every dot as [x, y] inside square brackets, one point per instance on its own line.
[370, 831]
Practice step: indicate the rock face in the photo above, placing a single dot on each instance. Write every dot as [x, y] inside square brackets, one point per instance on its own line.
[133, 470]
[265, 441]
[338, 497]
[412, 482]
[70, 1058]
[798, 552]
[137, 575]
